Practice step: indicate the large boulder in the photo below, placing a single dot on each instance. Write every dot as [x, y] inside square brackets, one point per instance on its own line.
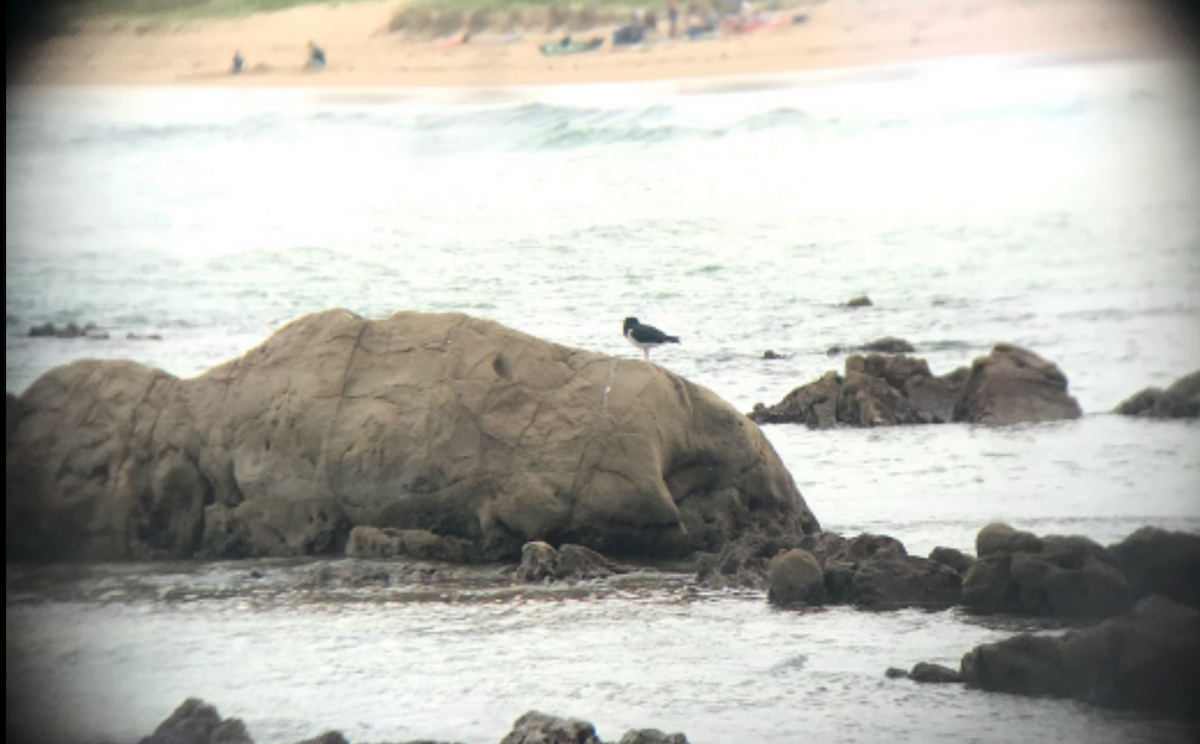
[1180, 400]
[1148, 658]
[1157, 561]
[1013, 385]
[444, 423]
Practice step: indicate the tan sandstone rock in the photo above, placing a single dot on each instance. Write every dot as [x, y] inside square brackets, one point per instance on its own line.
[444, 423]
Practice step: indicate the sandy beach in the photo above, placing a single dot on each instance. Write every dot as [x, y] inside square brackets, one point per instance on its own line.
[364, 52]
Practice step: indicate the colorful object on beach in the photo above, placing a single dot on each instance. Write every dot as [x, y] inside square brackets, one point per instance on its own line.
[646, 337]
[570, 46]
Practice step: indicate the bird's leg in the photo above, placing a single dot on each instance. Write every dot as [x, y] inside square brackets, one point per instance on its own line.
[646, 352]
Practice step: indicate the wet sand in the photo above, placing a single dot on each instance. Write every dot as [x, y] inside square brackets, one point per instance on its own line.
[364, 53]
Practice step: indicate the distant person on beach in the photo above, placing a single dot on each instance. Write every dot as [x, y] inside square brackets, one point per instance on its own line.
[673, 17]
[239, 62]
[316, 56]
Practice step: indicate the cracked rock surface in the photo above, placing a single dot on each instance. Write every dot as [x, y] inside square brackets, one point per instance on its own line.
[444, 423]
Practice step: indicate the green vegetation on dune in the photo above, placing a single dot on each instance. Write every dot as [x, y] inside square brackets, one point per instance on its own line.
[414, 17]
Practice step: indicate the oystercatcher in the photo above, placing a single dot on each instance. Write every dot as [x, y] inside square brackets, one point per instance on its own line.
[646, 337]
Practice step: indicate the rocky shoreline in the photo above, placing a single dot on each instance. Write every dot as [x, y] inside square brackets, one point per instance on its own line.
[457, 442]
[197, 722]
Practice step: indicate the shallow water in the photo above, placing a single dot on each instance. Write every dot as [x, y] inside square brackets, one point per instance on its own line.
[1054, 206]
[461, 662]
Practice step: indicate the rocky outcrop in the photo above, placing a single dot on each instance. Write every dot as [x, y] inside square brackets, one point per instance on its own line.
[1013, 385]
[890, 581]
[197, 722]
[868, 571]
[1010, 385]
[859, 301]
[1146, 659]
[873, 392]
[1020, 573]
[539, 728]
[1157, 561]
[1180, 400]
[70, 330]
[541, 562]
[442, 423]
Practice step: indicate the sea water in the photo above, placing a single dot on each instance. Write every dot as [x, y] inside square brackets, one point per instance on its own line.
[1048, 203]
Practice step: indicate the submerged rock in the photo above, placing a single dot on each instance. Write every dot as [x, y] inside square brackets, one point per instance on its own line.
[859, 301]
[1180, 400]
[1147, 659]
[934, 674]
[440, 423]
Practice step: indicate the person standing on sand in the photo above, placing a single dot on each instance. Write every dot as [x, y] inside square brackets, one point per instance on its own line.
[673, 17]
[238, 63]
[316, 56]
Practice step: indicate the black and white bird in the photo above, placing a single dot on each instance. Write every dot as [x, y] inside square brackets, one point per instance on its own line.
[646, 337]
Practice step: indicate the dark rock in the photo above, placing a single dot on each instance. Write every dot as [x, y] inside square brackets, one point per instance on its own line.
[957, 560]
[652, 736]
[934, 674]
[372, 542]
[895, 673]
[890, 581]
[795, 578]
[1050, 584]
[433, 425]
[1180, 400]
[1018, 572]
[1010, 385]
[896, 370]
[329, 737]
[1157, 561]
[770, 355]
[541, 562]
[1013, 385]
[743, 563]
[839, 580]
[1146, 659]
[988, 587]
[869, 401]
[539, 728]
[933, 398]
[860, 301]
[814, 405]
[998, 537]
[889, 345]
[197, 722]
[45, 330]
[867, 546]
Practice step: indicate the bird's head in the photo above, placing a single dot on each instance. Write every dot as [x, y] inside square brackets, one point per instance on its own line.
[630, 323]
